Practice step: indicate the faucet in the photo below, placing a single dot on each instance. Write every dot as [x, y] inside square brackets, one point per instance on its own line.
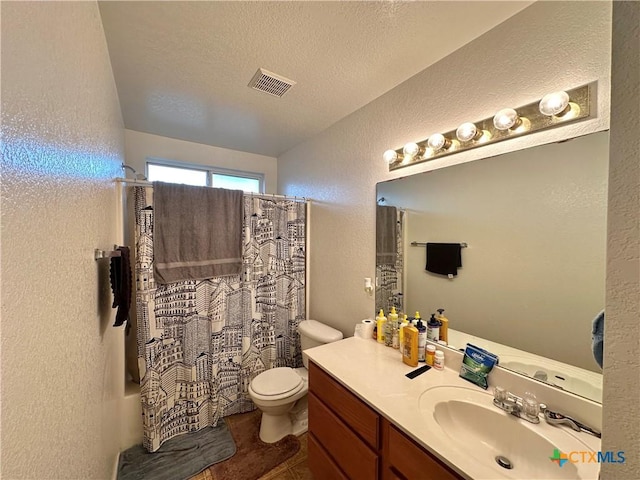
[556, 418]
[526, 407]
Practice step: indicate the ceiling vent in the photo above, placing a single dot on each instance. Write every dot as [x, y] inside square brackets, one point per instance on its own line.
[271, 83]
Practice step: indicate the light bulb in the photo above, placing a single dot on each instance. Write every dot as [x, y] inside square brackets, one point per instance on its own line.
[438, 141]
[390, 156]
[467, 132]
[411, 149]
[554, 103]
[506, 119]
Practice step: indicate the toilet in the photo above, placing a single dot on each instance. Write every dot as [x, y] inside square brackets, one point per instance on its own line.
[281, 393]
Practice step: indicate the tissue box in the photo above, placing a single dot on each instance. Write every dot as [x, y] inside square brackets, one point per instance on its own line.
[476, 365]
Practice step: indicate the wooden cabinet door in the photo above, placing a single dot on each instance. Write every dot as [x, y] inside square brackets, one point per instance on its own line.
[406, 459]
[361, 418]
[347, 451]
[320, 463]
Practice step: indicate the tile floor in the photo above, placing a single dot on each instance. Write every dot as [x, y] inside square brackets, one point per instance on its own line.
[293, 469]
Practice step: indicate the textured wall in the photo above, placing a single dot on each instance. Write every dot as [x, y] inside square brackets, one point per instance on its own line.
[535, 221]
[621, 413]
[63, 141]
[548, 46]
[139, 146]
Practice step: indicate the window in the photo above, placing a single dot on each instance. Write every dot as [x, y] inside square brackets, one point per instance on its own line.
[234, 182]
[177, 172]
[165, 173]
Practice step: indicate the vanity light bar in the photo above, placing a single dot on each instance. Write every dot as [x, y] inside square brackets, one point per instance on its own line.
[553, 110]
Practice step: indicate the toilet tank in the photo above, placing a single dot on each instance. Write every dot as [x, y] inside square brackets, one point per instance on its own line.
[313, 334]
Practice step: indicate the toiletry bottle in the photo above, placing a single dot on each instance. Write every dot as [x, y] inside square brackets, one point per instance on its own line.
[403, 324]
[410, 346]
[393, 316]
[422, 337]
[392, 322]
[398, 330]
[409, 322]
[438, 360]
[444, 325]
[395, 339]
[388, 333]
[433, 328]
[430, 352]
[381, 321]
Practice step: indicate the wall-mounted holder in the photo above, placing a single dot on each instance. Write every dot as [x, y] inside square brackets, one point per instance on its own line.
[368, 286]
[553, 110]
[100, 254]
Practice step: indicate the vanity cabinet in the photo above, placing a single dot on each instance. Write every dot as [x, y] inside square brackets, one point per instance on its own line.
[350, 440]
[343, 430]
[405, 459]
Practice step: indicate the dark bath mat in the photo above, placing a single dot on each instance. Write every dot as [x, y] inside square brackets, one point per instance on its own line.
[179, 458]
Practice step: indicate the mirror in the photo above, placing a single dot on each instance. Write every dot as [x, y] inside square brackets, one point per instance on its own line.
[532, 278]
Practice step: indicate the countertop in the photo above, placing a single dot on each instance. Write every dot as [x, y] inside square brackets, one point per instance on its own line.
[376, 374]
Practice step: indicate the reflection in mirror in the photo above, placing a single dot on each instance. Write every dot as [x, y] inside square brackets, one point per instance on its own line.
[389, 256]
[532, 277]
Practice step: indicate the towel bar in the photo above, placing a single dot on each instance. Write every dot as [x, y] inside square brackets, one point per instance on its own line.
[100, 254]
[422, 244]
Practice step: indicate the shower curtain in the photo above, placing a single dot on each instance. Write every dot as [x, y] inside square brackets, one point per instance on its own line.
[200, 343]
[390, 285]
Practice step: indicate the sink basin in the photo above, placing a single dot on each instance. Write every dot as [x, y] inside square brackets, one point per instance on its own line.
[478, 433]
[590, 386]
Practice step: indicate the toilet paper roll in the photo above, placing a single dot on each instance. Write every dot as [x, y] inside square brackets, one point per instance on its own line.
[367, 327]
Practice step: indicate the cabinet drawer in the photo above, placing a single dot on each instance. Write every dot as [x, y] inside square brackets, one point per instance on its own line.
[320, 462]
[412, 461]
[353, 411]
[391, 475]
[350, 454]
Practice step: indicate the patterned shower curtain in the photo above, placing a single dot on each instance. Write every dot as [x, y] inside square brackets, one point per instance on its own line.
[389, 285]
[201, 342]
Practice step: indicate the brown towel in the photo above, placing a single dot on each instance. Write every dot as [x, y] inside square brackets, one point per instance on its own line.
[197, 232]
[120, 273]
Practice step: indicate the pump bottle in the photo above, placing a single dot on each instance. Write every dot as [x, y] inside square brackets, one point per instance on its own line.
[444, 325]
[433, 328]
[422, 337]
[403, 324]
[410, 345]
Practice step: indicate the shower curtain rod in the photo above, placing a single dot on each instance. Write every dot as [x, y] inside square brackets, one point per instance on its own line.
[132, 182]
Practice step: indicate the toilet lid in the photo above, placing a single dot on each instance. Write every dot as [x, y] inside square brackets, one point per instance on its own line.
[276, 381]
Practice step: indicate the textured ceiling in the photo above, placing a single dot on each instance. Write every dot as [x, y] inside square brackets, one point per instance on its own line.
[182, 68]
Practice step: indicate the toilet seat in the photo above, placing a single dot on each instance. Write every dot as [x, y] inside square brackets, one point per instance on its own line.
[276, 383]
